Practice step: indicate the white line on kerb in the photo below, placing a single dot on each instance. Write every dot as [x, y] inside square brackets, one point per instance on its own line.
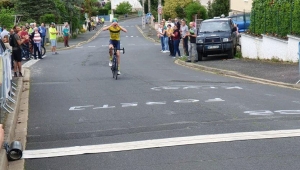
[31, 62]
[159, 143]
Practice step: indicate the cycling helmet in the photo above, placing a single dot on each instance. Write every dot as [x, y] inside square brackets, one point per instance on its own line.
[114, 20]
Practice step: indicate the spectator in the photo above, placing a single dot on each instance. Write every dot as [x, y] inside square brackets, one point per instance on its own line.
[43, 32]
[176, 41]
[176, 22]
[170, 42]
[184, 30]
[53, 33]
[192, 34]
[66, 34]
[31, 28]
[23, 34]
[161, 37]
[5, 41]
[16, 51]
[36, 39]
[4, 32]
[166, 38]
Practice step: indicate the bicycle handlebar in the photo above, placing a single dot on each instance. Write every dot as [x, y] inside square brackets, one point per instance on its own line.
[122, 49]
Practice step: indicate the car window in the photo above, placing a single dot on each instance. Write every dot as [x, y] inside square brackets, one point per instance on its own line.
[214, 26]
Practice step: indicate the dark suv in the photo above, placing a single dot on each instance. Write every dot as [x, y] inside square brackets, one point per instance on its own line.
[216, 36]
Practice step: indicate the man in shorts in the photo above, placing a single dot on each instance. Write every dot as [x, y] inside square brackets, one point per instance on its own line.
[16, 50]
[114, 42]
[52, 36]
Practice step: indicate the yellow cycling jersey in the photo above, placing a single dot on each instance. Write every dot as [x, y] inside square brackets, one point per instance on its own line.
[114, 32]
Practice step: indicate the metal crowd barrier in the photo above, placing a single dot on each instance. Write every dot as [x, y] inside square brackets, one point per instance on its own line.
[7, 86]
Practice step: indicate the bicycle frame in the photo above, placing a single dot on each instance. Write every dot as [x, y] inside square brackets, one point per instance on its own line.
[114, 67]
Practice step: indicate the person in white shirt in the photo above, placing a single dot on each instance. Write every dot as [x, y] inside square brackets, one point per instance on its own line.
[4, 32]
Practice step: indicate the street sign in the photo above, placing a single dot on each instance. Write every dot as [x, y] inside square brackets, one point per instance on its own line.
[159, 9]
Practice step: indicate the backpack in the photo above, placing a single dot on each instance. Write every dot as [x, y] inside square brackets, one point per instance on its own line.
[12, 40]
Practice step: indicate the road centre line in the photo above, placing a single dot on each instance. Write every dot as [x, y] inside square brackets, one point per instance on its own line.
[160, 143]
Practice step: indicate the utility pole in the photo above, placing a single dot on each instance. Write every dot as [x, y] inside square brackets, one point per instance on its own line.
[143, 18]
[159, 8]
[149, 6]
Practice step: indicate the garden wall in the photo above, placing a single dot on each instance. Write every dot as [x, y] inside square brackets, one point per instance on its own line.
[269, 47]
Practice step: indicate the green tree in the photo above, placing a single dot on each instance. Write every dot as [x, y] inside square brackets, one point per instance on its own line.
[124, 8]
[195, 8]
[32, 9]
[219, 7]
[175, 8]
[7, 18]
[209, 10]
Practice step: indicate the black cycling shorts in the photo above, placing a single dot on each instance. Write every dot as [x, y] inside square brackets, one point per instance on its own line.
[115, 43]
[17, 54]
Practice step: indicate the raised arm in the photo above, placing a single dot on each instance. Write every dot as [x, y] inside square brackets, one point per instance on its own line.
[107, 27]
[123, 29]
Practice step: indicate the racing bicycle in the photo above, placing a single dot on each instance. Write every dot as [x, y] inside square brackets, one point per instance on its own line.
[29, 49]
[114, 67]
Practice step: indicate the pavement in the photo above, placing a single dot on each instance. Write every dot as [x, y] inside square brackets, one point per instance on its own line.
[277, 73]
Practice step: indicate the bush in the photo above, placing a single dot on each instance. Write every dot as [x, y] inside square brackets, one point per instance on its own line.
[124, 8]
[47, 18]
[277, 19]
[7, 18]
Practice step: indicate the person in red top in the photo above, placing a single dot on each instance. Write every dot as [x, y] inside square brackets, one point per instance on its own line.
[176, 41]
[23, 34]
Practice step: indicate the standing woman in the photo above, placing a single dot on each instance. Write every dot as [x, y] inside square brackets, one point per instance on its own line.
[66, 33]
[176, 41]
[36, 39]
[170, 40]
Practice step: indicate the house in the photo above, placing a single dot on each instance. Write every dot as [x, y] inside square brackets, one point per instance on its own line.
[205, 2]
[240, 6]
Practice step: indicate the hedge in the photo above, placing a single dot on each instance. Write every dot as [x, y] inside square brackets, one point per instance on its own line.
[277, 18]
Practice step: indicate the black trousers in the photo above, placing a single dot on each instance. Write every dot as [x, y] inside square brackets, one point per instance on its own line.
[171, 47]
[36, 49]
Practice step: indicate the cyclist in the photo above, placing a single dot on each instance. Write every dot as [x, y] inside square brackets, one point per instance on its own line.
[114, 42]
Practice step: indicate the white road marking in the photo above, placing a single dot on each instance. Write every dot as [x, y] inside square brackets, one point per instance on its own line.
[296, 102]
[235, 87]
[105, 107]
[80, 107]
[131, 36]
[129, 104]
[160, 143]
[259, 112]
[155, 103]
[91, 46]
[126, 36]
[78, 47]
[186, 101]
[31, 62]
[215, 100]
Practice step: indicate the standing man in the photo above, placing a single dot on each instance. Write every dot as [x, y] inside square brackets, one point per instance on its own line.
[184, 29]
[114, 42]
[52, 35]
[25, 44]
[192, 44]
[43, 31]
[176, 22]
[66, 34]
[16, 50]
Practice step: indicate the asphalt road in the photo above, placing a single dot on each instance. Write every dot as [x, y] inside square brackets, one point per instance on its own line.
[153, 99]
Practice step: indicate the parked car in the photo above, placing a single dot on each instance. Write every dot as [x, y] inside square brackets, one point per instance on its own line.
[216, 36]
[242, 21]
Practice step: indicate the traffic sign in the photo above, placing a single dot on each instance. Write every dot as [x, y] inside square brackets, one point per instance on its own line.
[159, 9]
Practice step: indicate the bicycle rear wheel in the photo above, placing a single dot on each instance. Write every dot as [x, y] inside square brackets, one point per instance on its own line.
[43, 50]
[116, 70]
